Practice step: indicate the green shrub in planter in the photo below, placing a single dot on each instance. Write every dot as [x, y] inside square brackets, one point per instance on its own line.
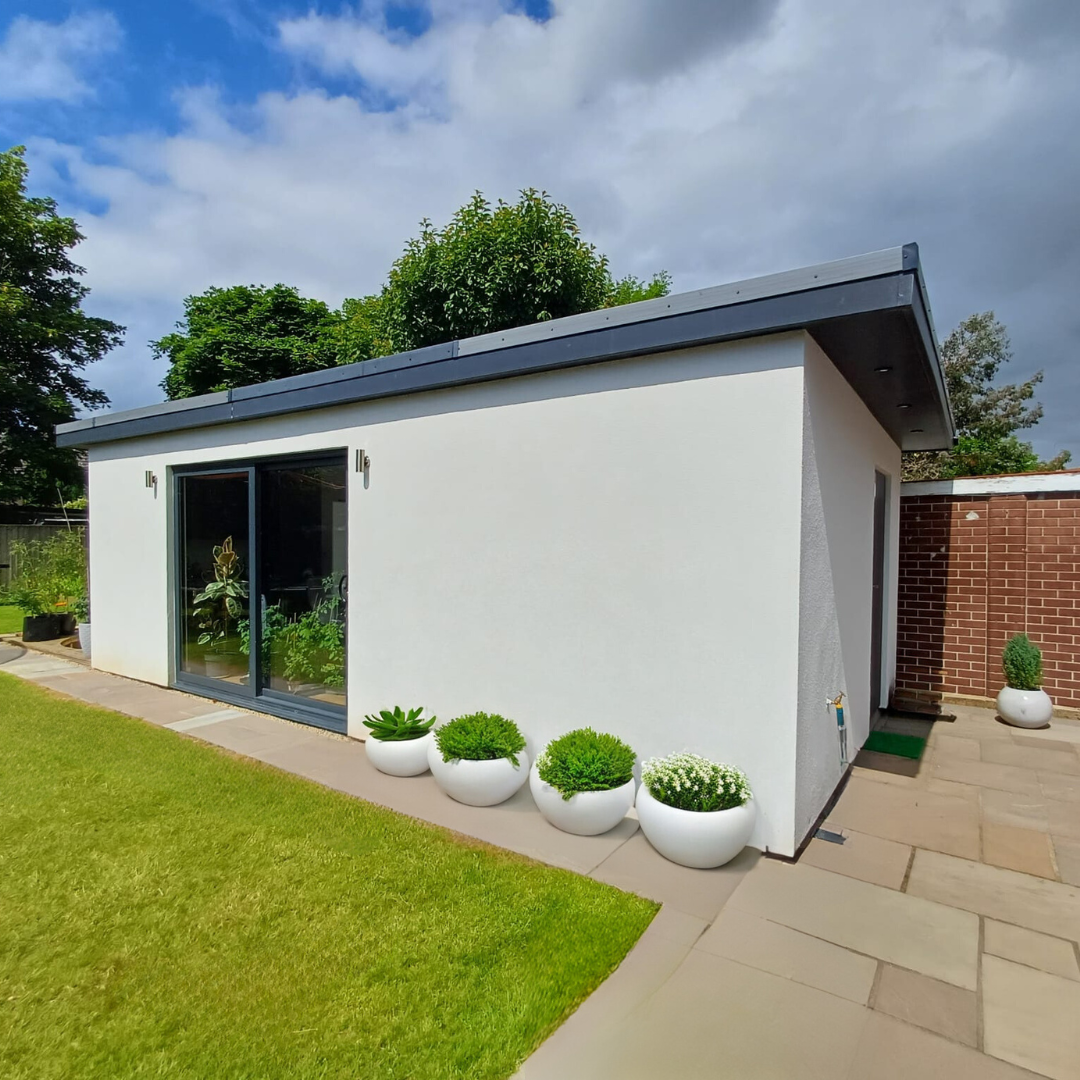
[480, 737]
[584, 760]
[1022, 661]
[692, 782]
[396, 725]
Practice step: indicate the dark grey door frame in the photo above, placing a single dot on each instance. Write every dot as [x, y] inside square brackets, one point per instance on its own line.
[276, 703]
[877, 590]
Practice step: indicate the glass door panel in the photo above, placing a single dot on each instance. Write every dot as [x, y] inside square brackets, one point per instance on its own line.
[302, 582]
[214, 576]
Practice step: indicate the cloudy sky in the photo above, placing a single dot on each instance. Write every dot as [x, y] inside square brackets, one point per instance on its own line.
[213, 142]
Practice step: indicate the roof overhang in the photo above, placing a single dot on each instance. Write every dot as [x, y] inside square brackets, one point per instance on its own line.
[869, 313]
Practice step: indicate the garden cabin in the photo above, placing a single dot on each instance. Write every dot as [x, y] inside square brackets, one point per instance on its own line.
[675, 521]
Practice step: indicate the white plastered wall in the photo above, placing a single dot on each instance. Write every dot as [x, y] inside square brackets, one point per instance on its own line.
[843, 446]
[615, 546]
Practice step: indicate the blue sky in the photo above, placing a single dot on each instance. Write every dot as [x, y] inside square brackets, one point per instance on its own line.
[210, 142]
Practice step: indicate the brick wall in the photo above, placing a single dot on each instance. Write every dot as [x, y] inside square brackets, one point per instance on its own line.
[976, 569]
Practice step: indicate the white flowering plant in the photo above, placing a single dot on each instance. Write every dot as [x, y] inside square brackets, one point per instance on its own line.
[692, 782]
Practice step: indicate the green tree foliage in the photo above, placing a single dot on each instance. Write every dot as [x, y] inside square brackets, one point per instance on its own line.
[987, 415]
[247, 334]
[496, 267]
[45, 340]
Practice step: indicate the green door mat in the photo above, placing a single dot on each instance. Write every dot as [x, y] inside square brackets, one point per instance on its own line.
[888, 742]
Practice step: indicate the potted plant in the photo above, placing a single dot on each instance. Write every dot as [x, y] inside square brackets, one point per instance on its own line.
[80, 608]
[694, 811]
[399, 741]
[1022, 700]
[479, 759]
[583, 782]
[47, 573]
[217, 608]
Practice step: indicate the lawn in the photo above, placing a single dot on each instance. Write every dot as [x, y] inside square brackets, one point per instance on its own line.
[11, 619]
[168, 909]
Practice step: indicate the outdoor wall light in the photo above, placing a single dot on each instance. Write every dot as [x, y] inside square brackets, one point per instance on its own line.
[151, 481]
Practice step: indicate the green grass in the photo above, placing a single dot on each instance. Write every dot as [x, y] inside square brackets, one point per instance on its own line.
[11, 619]
[889, 742]
[168, 909]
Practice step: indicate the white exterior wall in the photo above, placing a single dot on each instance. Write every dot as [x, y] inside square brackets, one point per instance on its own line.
[616, 546]
[843, 446]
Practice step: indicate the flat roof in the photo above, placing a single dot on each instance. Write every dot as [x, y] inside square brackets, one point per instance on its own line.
[870, 314]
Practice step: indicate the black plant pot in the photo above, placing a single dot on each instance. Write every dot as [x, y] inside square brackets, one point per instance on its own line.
[43, 627]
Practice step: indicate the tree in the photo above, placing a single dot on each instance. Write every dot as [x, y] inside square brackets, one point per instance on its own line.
[246, 334]
[492, 268]
[45, 340]
[987, 416]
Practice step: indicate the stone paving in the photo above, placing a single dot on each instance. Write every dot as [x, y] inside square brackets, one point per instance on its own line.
[940, 940]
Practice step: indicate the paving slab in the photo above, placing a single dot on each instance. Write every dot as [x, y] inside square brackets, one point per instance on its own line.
[771, 947]
[910, 816]
[928, 1003]
[1047, 906]
[1026, 850]
[904, 930]
[637, 867]
[1011, 808]
[1022, 946]
[955, 746]
[890, 1049]
[1028, 757]
[1063, 818]
[1060, 787]
[987, 774]
[716, 1018]
[1059, 731]
[1067, 857]
[868, 858]
[1030, 1018]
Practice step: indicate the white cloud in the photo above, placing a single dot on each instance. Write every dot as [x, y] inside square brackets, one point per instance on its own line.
[43, 61]
[711, 139]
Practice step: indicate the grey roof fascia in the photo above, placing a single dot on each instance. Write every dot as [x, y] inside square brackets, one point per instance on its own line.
[794, 299]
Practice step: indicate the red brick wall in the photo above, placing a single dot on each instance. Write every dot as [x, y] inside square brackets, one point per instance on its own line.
[976, 569]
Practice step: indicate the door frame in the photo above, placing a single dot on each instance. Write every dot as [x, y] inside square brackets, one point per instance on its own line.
[253, 696]
[878, 584]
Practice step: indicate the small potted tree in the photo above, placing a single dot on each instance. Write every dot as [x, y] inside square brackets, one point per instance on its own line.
[583, 782]
[399, 741]
[1022, 701]
[479, 759]
[695, 812]
[80, 608]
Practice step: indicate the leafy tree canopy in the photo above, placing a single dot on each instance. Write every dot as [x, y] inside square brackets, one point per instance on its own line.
[246, 334]
[45, 340]
[987, 415]
[496, 267]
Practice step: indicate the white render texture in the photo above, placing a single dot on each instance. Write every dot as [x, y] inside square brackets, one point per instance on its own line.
[616, 546]
[843, 446]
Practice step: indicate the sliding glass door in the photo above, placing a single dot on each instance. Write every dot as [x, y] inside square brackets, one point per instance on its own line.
[261, 578]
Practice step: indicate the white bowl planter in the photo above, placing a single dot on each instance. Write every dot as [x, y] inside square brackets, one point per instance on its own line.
[695, 839]
[405, 757]
[1025, 708]
[477, 783]
[588, 813]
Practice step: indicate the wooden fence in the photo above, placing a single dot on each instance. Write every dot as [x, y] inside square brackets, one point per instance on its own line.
[15, 534]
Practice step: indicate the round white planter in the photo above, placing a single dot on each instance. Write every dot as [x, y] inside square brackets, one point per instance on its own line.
[588, 813]
[693, 839]
[477, 783]
[1025, 708]
[405, 758]
[84, 638]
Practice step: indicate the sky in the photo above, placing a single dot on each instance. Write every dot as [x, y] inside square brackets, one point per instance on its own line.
[219, 142]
